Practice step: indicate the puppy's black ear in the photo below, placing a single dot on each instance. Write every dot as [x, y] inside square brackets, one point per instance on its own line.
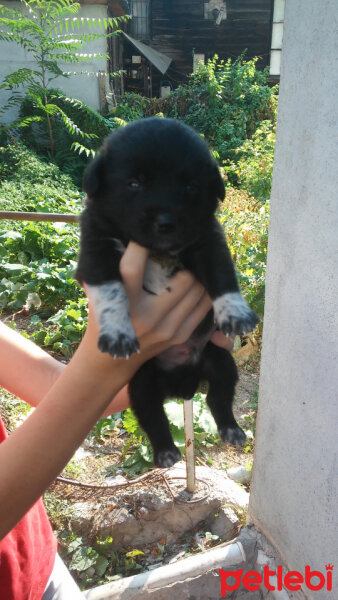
[93, 177]
[217, 183]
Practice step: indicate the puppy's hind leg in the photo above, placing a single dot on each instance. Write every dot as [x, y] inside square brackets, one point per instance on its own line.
[221, 372]
[111, 308]
[147, 403]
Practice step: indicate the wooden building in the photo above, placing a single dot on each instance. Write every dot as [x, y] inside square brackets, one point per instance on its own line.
[165, 39]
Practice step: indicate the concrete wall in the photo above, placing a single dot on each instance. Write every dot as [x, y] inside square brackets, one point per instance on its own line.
[294, 491]
[84, 87]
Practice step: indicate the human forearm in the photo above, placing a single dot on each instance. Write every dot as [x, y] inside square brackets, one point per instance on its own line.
[26, 370]
[29, 372]
[34, 454]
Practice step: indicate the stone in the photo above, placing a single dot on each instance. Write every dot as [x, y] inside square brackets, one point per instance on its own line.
[145, 515]
[224, 523]
[239, 474]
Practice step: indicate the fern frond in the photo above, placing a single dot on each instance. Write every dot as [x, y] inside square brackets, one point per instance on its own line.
[72, 128]
[77, 147]
[18, 77]
[27, 121]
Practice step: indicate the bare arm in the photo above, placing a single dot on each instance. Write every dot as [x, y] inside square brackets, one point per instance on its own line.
[37, 451]
[29, 372]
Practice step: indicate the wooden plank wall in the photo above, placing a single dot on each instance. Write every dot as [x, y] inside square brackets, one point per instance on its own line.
[179, 26]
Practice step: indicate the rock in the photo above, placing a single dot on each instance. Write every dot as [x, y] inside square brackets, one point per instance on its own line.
[81, 453]
[115, 480]
[240, 475]
[145, 515]
[224, 523]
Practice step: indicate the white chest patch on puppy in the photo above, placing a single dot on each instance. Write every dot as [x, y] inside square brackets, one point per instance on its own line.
[157, 277]
[111, 308]
[120, 247]
[233, 315]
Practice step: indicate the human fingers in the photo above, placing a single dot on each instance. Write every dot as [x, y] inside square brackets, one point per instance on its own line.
[182, 287]
[223, 341]
[194, 318]
[148, 311]
[178, 324]
[132, 267]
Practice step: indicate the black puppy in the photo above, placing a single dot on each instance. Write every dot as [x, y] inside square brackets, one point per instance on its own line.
[156, 183]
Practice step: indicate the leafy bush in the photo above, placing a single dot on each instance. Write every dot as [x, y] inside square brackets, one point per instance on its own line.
[29, 183]
[37, 260]
[245, 221]
[67, 139]
[254, 167]
[131, 107]
[225, 101]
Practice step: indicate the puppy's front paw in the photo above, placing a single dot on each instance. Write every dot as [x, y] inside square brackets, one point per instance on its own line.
[119, 346]
[167, 458]
[111, 305]
[232, 435]
[233, 315]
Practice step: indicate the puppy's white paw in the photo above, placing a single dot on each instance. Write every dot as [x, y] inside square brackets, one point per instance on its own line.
[111, 307]
[233, 314]
[118, 344]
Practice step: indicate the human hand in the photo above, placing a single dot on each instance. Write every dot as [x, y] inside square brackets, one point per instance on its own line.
[161, 321]
[223, 341]
[168, 319]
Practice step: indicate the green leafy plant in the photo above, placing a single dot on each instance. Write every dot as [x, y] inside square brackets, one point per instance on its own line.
[245, 221]
[105, 427]
[138, 455]
[131, 107]
[94, 561]
[46, 269]
[67, 141]
[37, 260]
[225, 101]
[51, 35]
[254, 167]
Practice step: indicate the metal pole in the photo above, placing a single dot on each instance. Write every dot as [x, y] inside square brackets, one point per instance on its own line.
[189, 444]
[38, 216]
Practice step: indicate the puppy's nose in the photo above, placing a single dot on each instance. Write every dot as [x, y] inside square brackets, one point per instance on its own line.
[164, 223]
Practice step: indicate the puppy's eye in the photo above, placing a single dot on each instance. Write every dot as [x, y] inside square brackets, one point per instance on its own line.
[134, 185]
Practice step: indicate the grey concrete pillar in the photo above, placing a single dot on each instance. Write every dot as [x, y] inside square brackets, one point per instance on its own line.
[294, 490]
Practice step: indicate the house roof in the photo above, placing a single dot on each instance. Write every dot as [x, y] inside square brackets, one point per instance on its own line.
[158, 59]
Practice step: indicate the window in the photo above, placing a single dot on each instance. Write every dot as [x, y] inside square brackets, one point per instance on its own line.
[140, 18]
[277, 37]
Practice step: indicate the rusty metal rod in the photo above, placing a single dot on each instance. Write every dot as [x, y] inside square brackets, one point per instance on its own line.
[38, 216]
[189, 444]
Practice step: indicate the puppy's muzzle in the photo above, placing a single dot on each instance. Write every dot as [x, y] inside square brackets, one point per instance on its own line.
[164, 224]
